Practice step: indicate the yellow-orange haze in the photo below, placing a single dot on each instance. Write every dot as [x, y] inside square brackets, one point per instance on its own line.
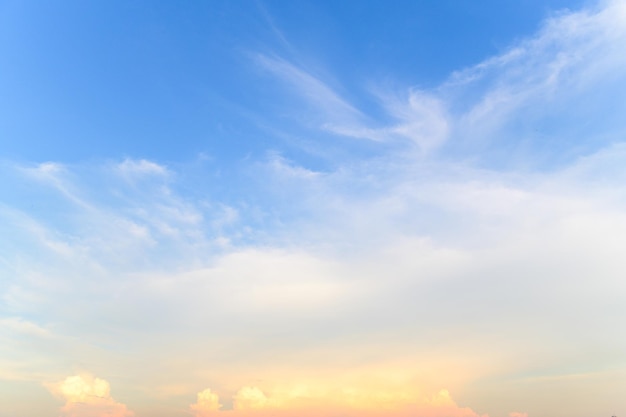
[87, 396]
[349, 402]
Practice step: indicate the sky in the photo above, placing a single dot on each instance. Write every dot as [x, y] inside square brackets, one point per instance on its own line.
[312, 208]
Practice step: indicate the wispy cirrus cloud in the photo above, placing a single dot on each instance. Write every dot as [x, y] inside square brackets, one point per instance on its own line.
[523, 99]
[420, 118]
[529, 97]
[131, 168]
[310, 87]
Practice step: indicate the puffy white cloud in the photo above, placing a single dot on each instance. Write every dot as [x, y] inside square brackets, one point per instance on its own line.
[251, 398]
[86, 396]
[207, 404]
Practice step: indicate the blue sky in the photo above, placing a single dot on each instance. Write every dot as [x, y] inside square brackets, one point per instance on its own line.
[408, 209]
[165, 81]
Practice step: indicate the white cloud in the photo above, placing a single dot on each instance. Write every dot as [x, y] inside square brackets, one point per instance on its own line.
[132, 168]
[285, 169]
[311, 88]
[421, 118]
[521, 99]
[86, 396]
[251, 398]
[392, 256]
[545, 87]
[25, 327]
[207, 404]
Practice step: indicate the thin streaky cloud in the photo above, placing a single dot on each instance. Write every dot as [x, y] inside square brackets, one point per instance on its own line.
[311, 88]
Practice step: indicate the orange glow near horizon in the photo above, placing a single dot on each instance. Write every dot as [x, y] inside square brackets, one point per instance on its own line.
[252, 401]
[88, 396]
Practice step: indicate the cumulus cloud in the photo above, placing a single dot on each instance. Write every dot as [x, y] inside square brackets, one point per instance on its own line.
[207, 404]
[252, 398]
[328, 401]
[87, 396]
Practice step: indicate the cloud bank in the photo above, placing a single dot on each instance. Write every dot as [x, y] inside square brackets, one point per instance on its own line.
[346, 400]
